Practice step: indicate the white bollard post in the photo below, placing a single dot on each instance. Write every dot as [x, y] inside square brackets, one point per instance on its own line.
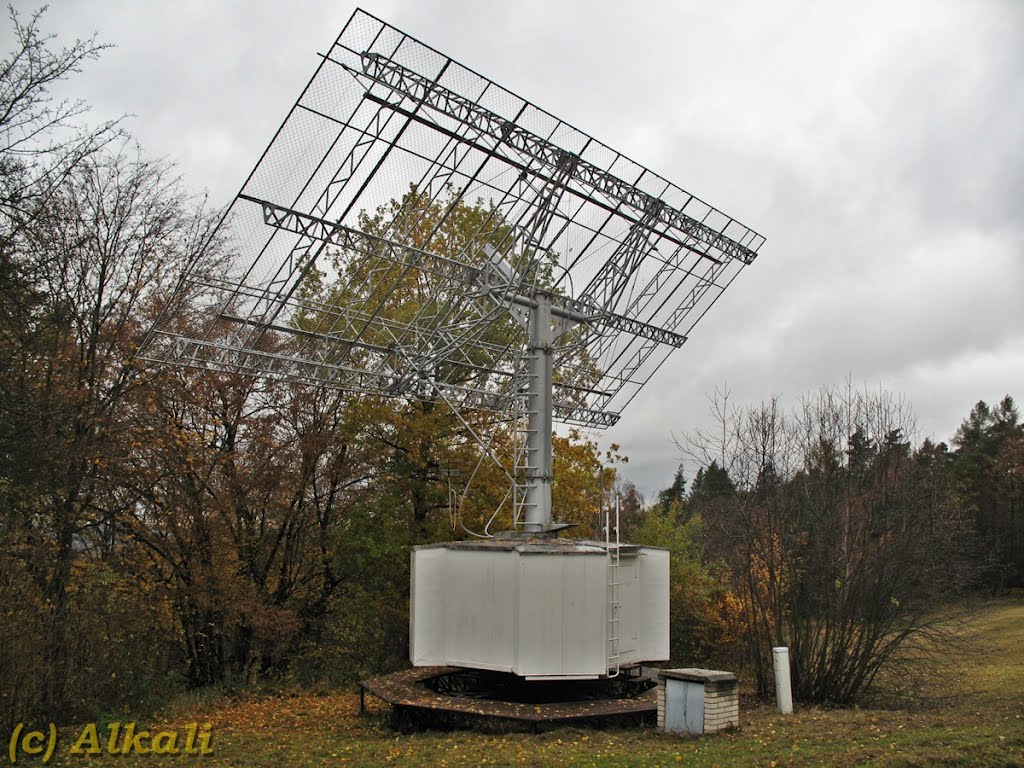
[783, 689]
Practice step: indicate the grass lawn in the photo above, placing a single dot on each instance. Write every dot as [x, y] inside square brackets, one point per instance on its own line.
[976, 718]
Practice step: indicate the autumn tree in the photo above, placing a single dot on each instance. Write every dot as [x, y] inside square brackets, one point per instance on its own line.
[706, 626]
[278, 515]
[844, 542]
[244, 486]
[89, 233]
[99, 257]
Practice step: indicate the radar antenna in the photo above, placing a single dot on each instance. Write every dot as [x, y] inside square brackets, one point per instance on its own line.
[578, 275]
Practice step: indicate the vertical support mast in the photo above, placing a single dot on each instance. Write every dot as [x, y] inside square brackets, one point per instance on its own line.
[539, 407]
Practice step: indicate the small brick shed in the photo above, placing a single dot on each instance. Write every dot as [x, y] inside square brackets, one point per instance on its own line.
[697, 700]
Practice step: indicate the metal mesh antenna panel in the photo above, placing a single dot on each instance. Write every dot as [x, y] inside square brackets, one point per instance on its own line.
[406, 211]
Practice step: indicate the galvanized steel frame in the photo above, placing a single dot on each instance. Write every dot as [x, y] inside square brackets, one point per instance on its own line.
[625, 261]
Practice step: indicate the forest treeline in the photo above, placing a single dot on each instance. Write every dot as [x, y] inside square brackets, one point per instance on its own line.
[166, 528]
[827, 529]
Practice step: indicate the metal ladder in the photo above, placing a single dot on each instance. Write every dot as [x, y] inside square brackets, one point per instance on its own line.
[521, 458]
[612, 547]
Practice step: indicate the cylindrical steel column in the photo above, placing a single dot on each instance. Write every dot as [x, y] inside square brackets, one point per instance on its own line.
[538, 441]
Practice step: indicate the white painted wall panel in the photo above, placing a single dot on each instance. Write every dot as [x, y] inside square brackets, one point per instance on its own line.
[561, 628]
[630, 623]
[652, 602]
[539, 628]
[586, 620]
[426, 616]
[480, 609]
[535, 613]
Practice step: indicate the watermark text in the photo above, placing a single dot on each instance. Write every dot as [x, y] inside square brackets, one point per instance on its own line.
[110, 739]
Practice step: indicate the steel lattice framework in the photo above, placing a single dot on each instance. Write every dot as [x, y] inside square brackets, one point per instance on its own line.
[409, 218]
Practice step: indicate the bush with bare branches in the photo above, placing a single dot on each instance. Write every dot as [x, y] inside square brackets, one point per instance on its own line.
[844, 540]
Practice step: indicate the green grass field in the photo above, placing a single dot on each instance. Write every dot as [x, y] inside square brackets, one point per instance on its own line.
[975, 717]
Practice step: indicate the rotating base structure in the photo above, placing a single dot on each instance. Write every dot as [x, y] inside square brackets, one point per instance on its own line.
[528, 631]
[452, 697]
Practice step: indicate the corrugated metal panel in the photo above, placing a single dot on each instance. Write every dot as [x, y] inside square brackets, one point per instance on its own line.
[480, 609]
[426, 615]
[538, 609]
[561, 625]
[652, 602]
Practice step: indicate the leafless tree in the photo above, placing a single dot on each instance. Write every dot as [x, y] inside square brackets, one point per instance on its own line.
[42, 139]
[100, 255]
[845, 541]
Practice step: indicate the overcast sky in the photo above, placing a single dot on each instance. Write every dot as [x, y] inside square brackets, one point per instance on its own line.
[878, 146]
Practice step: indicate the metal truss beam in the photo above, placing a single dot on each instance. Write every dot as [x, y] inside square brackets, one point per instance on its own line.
[341, 342]
[422, 91]
[477, 277]
[318, 368]
[519, 269]
[614, 274]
